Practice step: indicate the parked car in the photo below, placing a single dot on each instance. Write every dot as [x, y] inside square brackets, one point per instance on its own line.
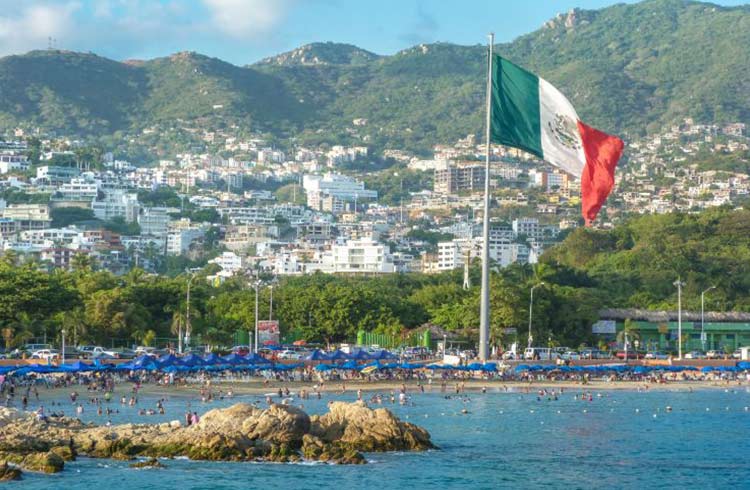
[737, 354]
[654, 355]
[509, 355]
[46, 354]
[715, 354]
[595, 354]
[570, 355]
[620, 354]
[241, 350]
[144, 351]
[540, 353]
[289, 354]
[122, 353]
[695, 354]
[31, 348]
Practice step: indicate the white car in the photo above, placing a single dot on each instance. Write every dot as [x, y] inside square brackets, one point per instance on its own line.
[290, 355]
[695, 355]
[570, 355]
[46, 354]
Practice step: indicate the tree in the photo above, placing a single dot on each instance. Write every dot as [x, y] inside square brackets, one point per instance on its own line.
[629, 331]
[62, 217]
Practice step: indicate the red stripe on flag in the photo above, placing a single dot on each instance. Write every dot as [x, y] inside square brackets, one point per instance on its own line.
[602, 152]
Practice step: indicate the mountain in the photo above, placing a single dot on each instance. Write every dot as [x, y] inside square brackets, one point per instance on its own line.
[322, 54]
[628, 69]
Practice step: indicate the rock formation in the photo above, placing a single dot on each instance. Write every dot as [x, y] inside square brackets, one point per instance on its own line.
[280, 433]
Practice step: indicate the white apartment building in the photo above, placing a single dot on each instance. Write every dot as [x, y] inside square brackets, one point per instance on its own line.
[51, 236]
[154, 221]
[10, 162]
[180, 240]
[20, 217]
[56, 175]
[77, 190]
[246, 215]
[354, 257]
[336, 188]
[527, 226]
[117, 203]
[229, 262]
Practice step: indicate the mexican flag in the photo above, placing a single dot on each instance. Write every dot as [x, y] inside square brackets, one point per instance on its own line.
[528, 113]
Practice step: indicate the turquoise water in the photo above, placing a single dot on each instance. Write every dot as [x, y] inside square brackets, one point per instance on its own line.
[506, 440]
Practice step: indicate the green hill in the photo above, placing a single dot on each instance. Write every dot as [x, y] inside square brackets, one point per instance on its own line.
[629, 69]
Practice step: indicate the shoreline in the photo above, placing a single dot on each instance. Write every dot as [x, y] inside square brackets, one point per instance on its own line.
[257, 388]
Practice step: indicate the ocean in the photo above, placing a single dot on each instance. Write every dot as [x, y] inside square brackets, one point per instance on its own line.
[619, 439]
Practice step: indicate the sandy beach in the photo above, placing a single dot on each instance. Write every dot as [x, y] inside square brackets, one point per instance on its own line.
[258, 387]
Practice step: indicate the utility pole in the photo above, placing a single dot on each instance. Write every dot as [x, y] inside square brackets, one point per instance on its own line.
[270, 306]
[467, 277]
[256, 285]
[679, 285]
[187, 314]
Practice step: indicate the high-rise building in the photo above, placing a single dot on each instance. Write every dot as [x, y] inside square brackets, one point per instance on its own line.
[453, 178]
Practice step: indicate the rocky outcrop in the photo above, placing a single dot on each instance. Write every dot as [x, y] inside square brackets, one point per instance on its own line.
[359, 427]
[241, 432]
[8, 473]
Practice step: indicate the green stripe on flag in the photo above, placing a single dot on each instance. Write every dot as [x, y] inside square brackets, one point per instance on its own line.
[515, 107]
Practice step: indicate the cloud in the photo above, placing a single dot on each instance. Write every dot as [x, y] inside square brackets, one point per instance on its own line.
[23, 29]
[243, 19]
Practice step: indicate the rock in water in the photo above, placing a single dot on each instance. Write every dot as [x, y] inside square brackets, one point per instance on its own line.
[8, 473]
[241, 432]
[149, 463]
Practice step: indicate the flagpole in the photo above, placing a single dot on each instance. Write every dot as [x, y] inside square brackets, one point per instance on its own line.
[484, 314]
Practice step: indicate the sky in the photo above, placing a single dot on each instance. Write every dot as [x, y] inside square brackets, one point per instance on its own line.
[245, 31]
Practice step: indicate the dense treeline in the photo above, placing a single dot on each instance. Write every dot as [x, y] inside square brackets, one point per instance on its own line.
[633, 265]
[99, 307]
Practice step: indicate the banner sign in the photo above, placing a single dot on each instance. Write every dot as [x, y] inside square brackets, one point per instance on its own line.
[268, 332]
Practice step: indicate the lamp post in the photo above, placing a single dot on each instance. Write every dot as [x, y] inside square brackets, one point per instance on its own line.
[256, 285]
[679, 285]
[62, 350]
[270, 305]
[187, 318]
[531, 311]
[703, 331]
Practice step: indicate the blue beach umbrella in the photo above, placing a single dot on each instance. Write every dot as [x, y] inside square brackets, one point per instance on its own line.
[351, 364]
[317, 355]
[76, 367]
[338, 355]
[212, 359]
[193, 360]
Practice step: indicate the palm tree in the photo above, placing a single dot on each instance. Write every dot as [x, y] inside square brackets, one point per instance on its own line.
[630, 331]
[81, 262]
[10, 257]
[23, 329]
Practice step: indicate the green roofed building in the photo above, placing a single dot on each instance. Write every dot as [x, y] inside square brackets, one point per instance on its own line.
[657, 330]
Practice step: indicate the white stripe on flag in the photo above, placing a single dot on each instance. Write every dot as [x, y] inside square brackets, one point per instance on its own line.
[561, 140]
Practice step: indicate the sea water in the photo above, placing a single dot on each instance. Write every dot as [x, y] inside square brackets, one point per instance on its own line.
[618, 439]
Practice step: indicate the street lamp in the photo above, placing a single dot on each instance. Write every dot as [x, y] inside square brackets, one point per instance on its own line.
[256, 285]
[187, 318]
[270, 306]
[62, 351]
[531, 311]
[679, 284]
[703, 331]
